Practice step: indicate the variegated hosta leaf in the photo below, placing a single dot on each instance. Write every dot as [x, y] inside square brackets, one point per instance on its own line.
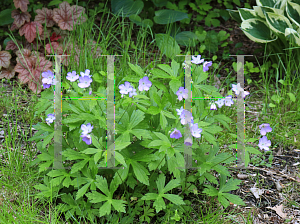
[257, 30]
[293, 12]
[259, 11]
[277, 23]
[247, 14]
[278, 4]
[292, 34]
[265, 9]
[235, 15]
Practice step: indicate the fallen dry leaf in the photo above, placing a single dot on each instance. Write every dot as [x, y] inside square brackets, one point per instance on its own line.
[256, 192]
[278, 210]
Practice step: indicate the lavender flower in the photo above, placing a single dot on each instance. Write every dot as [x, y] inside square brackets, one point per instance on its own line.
[196, 60]
[86, 73]
[87, 139]
[132, 93]
[86, 129]
[213, 106]
[47, 80]
[176, 134]
[206, 65]
[220, 102]
[85, 81]
[182, 93]
[51, 118]
[228, 101]
[144, 84]
[195, 130]
[124, 89]
[72, 76]
[184, 117]
[264, 128]
[188, 142]
[264, 143]
[179, 111]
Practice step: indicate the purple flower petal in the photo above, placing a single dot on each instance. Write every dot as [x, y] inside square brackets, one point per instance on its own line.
[176, 134]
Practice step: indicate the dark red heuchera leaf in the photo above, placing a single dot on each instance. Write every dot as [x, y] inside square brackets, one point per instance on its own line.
[54, 37]
[22, 4]
[32, 46]
[54, 48]
[29, 29]
[13, 27]
[8, 73]
[67, 16]
[30, 68]
[44, 15]
[4, 58]
[12, 46]
[20, 17]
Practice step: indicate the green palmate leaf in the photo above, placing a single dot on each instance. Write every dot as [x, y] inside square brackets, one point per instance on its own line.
[210, 138]
[166, 68]
[168, 114]
[223, 200]
[79, 166]
[234, 199]
[174, 85]
[230, 185]
[175, 66]
[155, 143]
[156, 99]
[48, 139]
[210, 190]
[140, 172]
[96, 197]
[159, 73]
[163, 121]
[160, 85]
[42, 106]
[167, 45]
[67, 182]
[121, 145]
[73, 155]
[207, 89]
[166, 16]
[82, 191]
[57, 181]
[153, 110]
[223, 120]
[159, 203]
[44, 127]
[138, 70]
[137, 116]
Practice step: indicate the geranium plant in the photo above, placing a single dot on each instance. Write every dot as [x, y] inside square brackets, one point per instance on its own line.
[136, 110]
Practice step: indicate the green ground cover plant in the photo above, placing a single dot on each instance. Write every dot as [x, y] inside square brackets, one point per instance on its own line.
[150, 123]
